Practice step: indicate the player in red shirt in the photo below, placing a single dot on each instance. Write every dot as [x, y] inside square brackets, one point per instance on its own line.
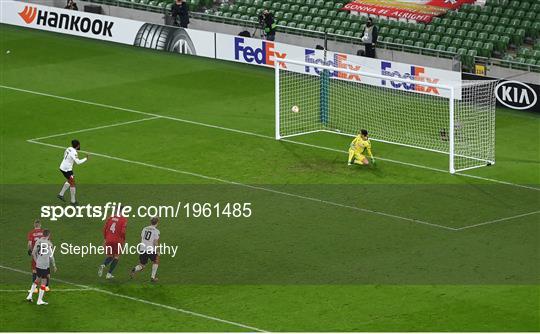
[32, 236]
[114, 233]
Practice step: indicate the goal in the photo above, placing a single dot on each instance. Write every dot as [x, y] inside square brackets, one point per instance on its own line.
[457, 120]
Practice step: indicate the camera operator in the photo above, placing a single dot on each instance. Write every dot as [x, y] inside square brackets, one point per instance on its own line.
[180, 13]
[266, 20]
[71, 5]
[369, 37]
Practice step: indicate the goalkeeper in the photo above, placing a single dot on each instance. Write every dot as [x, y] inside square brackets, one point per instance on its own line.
[358, 148]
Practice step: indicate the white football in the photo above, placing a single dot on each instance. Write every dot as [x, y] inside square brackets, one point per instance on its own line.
[295, 109]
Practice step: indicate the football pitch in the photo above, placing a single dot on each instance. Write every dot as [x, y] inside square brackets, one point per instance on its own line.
[401, 245]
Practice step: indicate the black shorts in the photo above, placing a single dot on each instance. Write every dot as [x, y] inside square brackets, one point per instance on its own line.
[68, 175]
[42, 273]
[143, 258]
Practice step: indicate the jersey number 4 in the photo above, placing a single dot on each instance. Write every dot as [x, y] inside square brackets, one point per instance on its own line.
[112, 228]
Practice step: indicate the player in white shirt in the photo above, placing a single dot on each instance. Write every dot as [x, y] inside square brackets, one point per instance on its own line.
[148, 249]
[43, 256]
[66, 167]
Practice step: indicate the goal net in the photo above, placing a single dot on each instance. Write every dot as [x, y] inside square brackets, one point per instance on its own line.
[456, 120]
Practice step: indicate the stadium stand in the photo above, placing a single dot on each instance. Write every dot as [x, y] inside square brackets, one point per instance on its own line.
[505, 30]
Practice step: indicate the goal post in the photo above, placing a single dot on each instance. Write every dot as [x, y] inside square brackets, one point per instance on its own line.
[456, 119]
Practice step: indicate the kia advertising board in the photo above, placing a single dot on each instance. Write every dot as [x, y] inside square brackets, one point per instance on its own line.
[513, 94]
[518, 95]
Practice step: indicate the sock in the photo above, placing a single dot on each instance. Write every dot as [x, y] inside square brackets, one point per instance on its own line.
[138, 268]
[48, 280]
[72, 191]
[107, 261]
[41, 293]
[154, 270]
[113, 265]
[34, 276]
[34, 285]
[64, 188]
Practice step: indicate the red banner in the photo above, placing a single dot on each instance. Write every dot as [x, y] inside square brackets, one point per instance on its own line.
[417, 10]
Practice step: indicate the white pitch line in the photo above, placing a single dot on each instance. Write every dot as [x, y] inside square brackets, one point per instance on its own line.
[98, 128]
[313, 199]
[257, 135]
[499, 220]
[144, 301]
[52, 290]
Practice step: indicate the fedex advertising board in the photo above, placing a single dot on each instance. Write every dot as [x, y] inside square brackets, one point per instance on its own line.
[265, 53]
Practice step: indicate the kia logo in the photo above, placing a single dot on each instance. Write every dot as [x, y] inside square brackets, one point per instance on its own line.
[516, 95]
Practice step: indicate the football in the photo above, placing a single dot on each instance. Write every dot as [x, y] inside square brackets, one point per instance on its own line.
[295, 109]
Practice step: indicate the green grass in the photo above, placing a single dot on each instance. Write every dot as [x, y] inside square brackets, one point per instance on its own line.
[317, 264]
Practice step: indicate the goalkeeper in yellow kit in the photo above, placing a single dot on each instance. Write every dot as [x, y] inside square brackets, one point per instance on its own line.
[358, 148]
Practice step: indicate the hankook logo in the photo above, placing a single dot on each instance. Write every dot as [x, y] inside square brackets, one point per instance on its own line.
[516, 95]
[69, 22]
[28, 14]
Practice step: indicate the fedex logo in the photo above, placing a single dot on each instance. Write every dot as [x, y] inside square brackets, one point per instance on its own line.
[339, 61]
[416, 74]
[266, 55]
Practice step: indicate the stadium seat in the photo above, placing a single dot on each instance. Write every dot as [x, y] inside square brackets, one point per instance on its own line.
[483, 36]
[414, 35]
[297, 18]
[404, 34]
[431, 49]
[306, 20]
[457, 42]
[388, 39]
[316, 21]
[504, 21]
[424, 37]
[335, 23]
[435, 39]
[446, 41]
[451, 49]
[489, 28]
[419, 44]
[494, 20]
[467, 43]
[461, 33]
[472, 34]
[409, 45]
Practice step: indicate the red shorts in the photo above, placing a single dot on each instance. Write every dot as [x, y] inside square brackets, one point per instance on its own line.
[112, 248]
[33, 265]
